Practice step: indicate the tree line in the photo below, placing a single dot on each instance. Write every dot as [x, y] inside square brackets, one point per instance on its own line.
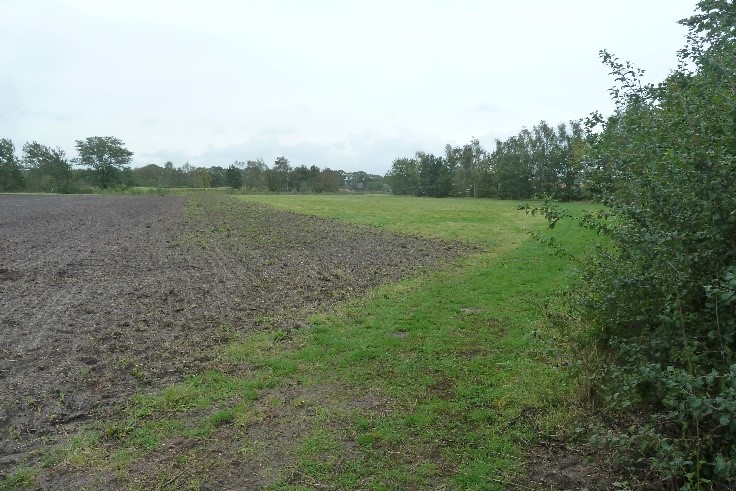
[104, 162]
[257, 176]
[544, 161]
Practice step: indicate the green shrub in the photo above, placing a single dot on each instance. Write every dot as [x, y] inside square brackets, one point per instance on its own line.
[660, 298]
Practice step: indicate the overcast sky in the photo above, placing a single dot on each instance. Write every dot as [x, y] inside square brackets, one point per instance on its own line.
[345, 84]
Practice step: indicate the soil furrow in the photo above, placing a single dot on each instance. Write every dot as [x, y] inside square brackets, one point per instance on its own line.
[101, 297]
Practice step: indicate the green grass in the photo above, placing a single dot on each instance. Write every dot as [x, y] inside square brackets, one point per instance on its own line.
[479, 221]
[18, 479]
[464, 355]
[442, 381]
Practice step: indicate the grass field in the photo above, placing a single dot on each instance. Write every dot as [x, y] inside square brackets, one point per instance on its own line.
[442, 381]
[473, 373]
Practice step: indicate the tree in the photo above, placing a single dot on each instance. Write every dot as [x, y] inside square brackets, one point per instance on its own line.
[328, 181]
[234, 177]
[467, 163]
[278, 176]
[173, 177]
[151, 175]
[303, 179]
[105, 156]
[556, 169]
[573, 166]
[403, 176]
[255, 174]
[434, 176]
[217, 175]
[513, 167]
[202, 178]
[188, 177]
[49, 170]
[11, 174]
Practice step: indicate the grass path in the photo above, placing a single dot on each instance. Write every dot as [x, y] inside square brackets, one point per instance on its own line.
[469, 373]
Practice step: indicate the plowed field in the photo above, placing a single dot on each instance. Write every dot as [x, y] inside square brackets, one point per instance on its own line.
[102, 296]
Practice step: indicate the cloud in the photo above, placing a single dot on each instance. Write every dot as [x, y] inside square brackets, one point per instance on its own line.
[349, 85]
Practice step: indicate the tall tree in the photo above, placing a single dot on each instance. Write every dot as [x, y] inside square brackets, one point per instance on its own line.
[11, 174]
[173, 177]
[303, 179]
[202, 177]
[217, 175]
[434, 176]
[188, 175]
[279, 175]
[49, 169]
[544, 151]
[328, 181]
[255, 174]
[151, 175]
[106, 156]
[234, 177]
[513, 167]
[403, 176]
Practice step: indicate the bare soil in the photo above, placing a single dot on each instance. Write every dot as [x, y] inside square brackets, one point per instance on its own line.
[101, 296]
[557, 466]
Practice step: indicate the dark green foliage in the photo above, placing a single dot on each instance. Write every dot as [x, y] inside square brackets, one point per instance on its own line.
[127, 178]
[661, 299]
[106, 162]
[403, 176]
[303, 179]
[234, 177]
[434, 176]
[11, 174]
[328, 181]
[152, 176]
[424, 175]
[307, 180]
[48, 169]
[513, 168]
[255, 174]
[543, 162]
[105, 156]
[361, 181]
[277, 178]
[466, 162]
[218, 174]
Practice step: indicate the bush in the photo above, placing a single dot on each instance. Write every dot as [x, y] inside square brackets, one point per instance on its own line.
[661, 300]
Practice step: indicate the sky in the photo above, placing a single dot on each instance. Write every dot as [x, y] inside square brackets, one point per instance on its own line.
[344, 84]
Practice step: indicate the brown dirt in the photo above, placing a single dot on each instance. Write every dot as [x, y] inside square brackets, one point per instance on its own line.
[101, 296]
[555, 466]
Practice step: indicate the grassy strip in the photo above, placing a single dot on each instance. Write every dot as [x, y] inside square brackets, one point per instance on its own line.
[464, 356]
[440, 381]
[492, 223]
[466, 381]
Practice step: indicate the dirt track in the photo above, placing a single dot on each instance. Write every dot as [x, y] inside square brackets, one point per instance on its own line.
[102, 296]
